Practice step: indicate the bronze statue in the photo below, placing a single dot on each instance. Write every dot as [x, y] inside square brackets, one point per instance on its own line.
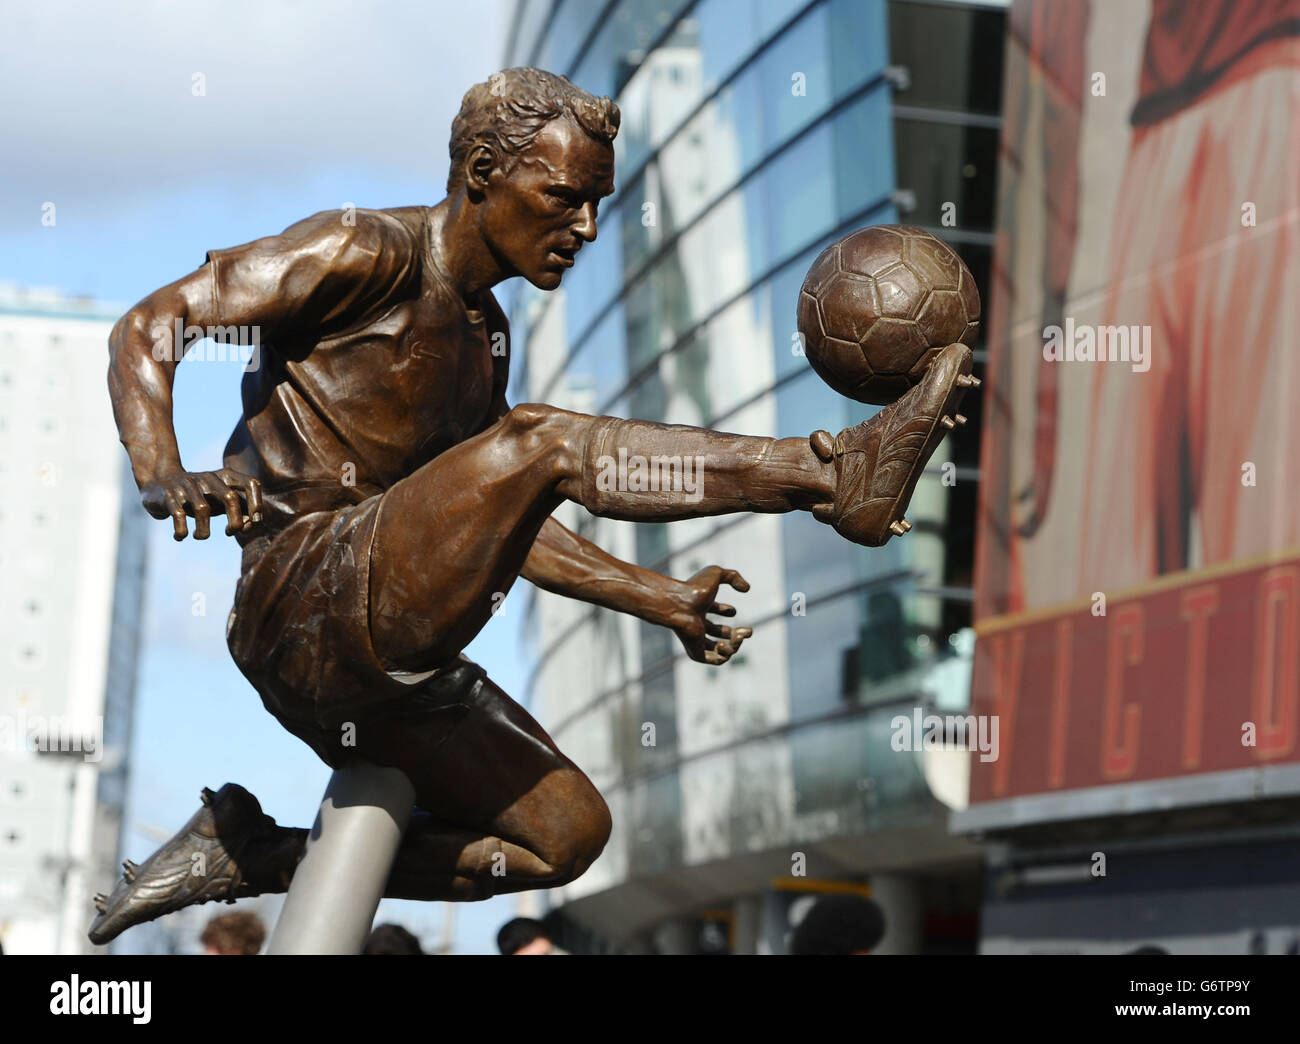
[384, 492]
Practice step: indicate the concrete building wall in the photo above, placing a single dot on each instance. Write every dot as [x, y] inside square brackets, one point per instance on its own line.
[73, 568]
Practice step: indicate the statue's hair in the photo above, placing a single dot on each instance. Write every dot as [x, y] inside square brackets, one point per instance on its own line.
[510, 109]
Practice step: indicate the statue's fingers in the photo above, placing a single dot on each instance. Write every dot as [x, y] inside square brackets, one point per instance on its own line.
[175, 501]
[196, 500]
[234, 511]
[695, 648]
[255, 500]
[730, 576]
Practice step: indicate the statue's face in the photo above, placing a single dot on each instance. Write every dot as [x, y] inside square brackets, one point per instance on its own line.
[539, 212]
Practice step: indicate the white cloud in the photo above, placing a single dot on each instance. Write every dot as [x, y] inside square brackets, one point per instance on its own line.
[99, 105]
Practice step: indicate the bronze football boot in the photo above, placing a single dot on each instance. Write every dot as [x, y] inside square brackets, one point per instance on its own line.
[878, 462]
[209, 858]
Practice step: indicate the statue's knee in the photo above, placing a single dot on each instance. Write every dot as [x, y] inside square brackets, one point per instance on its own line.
[600, 836]
[530, 417]
[536, 430]
[587, 837]
[595, 834]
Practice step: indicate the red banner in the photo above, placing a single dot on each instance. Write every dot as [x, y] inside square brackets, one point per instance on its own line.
[1196, 672]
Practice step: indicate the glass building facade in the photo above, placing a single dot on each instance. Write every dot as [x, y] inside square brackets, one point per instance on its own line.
[754, 133]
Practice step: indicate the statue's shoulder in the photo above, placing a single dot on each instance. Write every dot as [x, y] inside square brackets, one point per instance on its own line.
[414, 219]
[355, 229]
[380, 248]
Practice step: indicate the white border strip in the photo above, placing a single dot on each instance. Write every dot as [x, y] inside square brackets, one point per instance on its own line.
[1210, 788]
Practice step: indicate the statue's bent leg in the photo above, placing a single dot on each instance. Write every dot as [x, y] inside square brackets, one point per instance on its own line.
[451, 539]
[499, 807]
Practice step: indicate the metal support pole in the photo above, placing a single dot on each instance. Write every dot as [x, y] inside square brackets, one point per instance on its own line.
[337, 887]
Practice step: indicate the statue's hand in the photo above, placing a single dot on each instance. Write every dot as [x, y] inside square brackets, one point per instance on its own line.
[705, 640]
[189, 494]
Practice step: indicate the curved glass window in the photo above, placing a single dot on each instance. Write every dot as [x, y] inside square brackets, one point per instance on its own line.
[529, 18]
[795, 75]
[603, 369]
[569, 29]
[620, 46]
[597, 277]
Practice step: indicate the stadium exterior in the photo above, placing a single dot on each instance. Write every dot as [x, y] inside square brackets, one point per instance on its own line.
[1148, 792]
[753, 134]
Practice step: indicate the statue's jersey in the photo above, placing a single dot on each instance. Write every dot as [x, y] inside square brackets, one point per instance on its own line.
[370, 364]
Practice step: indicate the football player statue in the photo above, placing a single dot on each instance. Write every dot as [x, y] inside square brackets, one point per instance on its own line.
[385, 496]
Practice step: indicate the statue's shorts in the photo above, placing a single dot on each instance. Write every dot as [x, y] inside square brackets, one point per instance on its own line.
[300, 633]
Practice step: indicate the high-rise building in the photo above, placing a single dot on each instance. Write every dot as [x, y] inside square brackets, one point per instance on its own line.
[754, 133]
[72, 558]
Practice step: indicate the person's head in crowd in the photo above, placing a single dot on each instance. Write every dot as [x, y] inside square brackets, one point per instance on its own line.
[232, 934]
[392, 939]
[840, 925]
[525, 937]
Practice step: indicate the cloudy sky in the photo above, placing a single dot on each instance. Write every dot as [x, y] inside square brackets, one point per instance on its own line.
[160, 130]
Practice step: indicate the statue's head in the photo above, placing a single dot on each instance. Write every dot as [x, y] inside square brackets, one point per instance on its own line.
[534, 155]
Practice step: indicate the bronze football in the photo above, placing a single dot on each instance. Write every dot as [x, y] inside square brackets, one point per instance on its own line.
[878, 305]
